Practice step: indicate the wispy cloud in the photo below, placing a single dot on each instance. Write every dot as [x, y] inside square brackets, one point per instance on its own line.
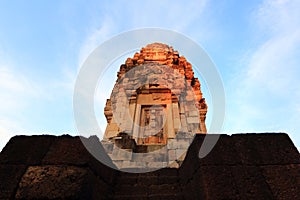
[25, 103]
[97, 34]
[124, 16]
[15, 93]
[177, 16]
[267, 95]
[278, 17]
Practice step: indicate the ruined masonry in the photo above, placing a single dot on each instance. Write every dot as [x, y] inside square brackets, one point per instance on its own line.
[154, 110]
[240, 166]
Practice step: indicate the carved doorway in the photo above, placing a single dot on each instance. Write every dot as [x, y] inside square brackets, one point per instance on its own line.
[152, 124]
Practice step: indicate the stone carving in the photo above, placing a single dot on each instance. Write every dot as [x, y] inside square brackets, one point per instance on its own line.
[155, 97]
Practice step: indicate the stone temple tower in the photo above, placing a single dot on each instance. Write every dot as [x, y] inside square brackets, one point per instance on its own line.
[154, 110]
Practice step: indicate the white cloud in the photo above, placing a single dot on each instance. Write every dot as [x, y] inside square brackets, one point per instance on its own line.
[95, 38]
[14, 86]
[278, 17]
[15, 94]
[267, 92]
[275, 64]
[177, 16]
[128, 15]
[125, 16]
[25, 105]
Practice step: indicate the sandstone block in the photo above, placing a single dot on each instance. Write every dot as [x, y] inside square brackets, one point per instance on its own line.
[120, 154]
[19, 149]
[10, 176]
[172, 144]
[172, 154]
[192, 120]
[155, 165]
[281, 180]
[183, 143]
[51, 182]
[108, 146]
[180, 154]
[173, 164]
[194, 113]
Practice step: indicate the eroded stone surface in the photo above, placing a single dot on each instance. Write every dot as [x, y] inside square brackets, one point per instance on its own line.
[52, 182]
[208, 178]
[156, 97]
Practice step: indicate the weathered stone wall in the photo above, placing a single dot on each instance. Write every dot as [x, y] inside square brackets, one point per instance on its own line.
[149, 157]
[241, 166]
[156, 96]
[155, 68]
[50, 167]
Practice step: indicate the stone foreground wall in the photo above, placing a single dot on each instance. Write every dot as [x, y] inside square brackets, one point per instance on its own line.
[150, 157]
[241, 166]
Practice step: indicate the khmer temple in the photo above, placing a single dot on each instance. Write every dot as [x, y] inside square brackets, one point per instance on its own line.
[150, 150]
[156, 107]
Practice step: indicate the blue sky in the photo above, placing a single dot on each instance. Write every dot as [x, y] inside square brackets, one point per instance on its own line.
[254, 44]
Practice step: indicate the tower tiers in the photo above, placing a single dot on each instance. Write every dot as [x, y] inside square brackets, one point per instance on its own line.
[155, 108]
